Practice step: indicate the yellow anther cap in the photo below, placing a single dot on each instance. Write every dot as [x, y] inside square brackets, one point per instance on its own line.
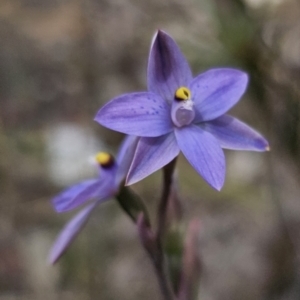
[104, 159]
[183, 93]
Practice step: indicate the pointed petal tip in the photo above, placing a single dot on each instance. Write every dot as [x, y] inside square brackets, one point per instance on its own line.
[243, 77]
[219, 188]
[97, 117]
[131, 180]
[160, 31]
[216, 185]
[161, 34]
[56, 204]
[54, 255]
[56, 209]
[133, 177]
[265, 146]
[237, 72]
[51, 261]
[262, 145]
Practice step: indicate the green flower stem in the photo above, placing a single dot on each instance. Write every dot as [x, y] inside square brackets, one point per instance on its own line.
[160, 262]
[152, 242]
[168, 171]
[149, 241]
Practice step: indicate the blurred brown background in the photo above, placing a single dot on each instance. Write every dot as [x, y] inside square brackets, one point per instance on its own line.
[60, 61]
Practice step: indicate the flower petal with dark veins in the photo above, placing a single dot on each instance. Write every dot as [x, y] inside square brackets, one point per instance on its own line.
[168, 69]
[69, 233]
[151, 155]
[215, 91]
[139, 114]
[203, 152]
[80, 193]
[125, 157]
[236, 135]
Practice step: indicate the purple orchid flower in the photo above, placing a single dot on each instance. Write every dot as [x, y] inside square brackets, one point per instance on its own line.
[182, 113]
[111, 176]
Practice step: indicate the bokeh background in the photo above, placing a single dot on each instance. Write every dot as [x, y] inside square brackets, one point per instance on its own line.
[60, 61]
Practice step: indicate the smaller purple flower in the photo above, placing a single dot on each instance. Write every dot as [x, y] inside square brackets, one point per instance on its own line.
[111, 177]
[182, 113]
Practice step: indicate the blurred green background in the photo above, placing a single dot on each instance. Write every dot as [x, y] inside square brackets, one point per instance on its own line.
[60, 61]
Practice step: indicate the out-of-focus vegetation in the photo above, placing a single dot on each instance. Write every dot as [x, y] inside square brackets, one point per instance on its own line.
[60, 61]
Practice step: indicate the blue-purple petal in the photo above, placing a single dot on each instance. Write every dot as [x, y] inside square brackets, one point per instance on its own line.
[139, 114]
[124, 158]
[151, 155]
[69, 233]
[82, 192]
[203, 152]
[168, 69]
[236, 135]
[216, 91]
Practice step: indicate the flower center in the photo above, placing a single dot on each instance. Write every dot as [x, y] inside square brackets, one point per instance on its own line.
[104, 159]
[182, 112]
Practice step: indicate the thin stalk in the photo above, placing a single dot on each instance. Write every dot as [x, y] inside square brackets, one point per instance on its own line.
[159, 262]
[152, 241]
[168, 171]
